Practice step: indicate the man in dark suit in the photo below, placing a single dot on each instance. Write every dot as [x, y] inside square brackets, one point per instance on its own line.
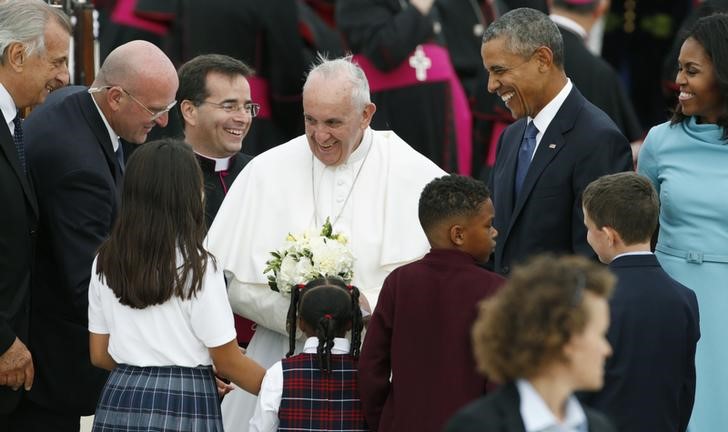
[34, 45]
[649, 382]
[72, 140]
[217, 111]
[592, 75]
[559, 144]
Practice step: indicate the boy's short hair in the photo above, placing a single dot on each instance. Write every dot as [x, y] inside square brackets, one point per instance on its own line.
[448, 196]
[626, 202]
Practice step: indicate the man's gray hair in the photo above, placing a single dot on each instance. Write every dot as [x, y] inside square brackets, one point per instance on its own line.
[524, 31]
[24, 21]
[343, 67]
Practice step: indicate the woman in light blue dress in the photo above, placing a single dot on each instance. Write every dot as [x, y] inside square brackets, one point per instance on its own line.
[687, 160]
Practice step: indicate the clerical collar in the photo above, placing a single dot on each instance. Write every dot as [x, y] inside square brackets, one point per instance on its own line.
[570, 25]
[8, 108]
[221, 164]
[112, 135]
[363, 149]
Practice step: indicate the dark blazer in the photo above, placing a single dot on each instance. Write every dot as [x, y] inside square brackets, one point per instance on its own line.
[77, 180]
[581, 144]
[18, 222]
[500, 412]
[649, 381]
[600, 84]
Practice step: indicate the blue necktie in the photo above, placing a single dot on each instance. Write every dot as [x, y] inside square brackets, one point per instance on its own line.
[525, 152]
[18, 140]
[120, 157]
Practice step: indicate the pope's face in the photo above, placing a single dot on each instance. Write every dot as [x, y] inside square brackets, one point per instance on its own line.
[334, 124]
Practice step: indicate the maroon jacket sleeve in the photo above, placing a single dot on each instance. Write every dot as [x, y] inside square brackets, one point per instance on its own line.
[375, 362]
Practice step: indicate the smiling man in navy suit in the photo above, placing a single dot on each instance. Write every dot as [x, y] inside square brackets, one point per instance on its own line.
[74, 146]
[559, 143]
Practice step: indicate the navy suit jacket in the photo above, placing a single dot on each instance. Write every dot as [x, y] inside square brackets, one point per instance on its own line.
[77, 179]
[581, 144]
[18, 221]
[649, 382]
[500, 411]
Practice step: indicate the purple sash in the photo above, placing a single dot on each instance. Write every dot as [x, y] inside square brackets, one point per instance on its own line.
[259, 94]
[440, 69]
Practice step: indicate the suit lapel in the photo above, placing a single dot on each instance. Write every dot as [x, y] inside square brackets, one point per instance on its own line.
[94, 120]
[507, 176]
[550, 146]
[8, 147]
[510, 409]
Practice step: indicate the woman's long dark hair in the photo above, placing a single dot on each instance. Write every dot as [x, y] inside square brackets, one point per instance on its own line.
[162, 215]
[711, 33]
[328, 306]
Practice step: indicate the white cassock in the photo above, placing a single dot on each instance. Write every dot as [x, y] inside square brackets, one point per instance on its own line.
[372, 199]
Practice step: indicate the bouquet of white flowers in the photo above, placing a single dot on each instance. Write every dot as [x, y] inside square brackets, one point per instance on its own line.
[307, 256]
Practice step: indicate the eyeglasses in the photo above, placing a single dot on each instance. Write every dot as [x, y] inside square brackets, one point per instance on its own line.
[230, 107]
[154, 113]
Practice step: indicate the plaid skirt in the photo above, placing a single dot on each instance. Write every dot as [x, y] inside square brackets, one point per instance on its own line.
[159, 399]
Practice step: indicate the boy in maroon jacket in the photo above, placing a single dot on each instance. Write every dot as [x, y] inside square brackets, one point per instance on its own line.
[419, 333]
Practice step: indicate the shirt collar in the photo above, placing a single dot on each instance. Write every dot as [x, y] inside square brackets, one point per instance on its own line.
[537, 417]
[221, 164]
[546, 115]
[361, 151]
[632, 253]
[570, 25]
[341, 346]
[7, 106]
[112, 135]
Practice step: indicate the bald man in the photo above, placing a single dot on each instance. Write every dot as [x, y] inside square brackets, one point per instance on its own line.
[76, 163]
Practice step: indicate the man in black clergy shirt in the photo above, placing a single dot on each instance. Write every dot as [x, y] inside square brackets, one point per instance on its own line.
[217, 111]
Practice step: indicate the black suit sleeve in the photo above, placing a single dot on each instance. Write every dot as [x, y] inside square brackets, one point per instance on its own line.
[612, 154]
[381, 30]
[80, 214]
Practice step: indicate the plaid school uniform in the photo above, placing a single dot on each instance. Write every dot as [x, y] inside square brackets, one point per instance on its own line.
[313, 400]
[159, 399]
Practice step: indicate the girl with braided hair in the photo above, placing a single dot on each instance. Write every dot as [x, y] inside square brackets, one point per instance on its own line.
[317, 389]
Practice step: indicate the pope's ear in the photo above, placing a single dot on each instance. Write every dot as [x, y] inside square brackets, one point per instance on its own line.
[367, 114]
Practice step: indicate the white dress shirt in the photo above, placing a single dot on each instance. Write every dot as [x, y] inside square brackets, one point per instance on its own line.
[537, 417]
[544, 118]
[8, 108]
